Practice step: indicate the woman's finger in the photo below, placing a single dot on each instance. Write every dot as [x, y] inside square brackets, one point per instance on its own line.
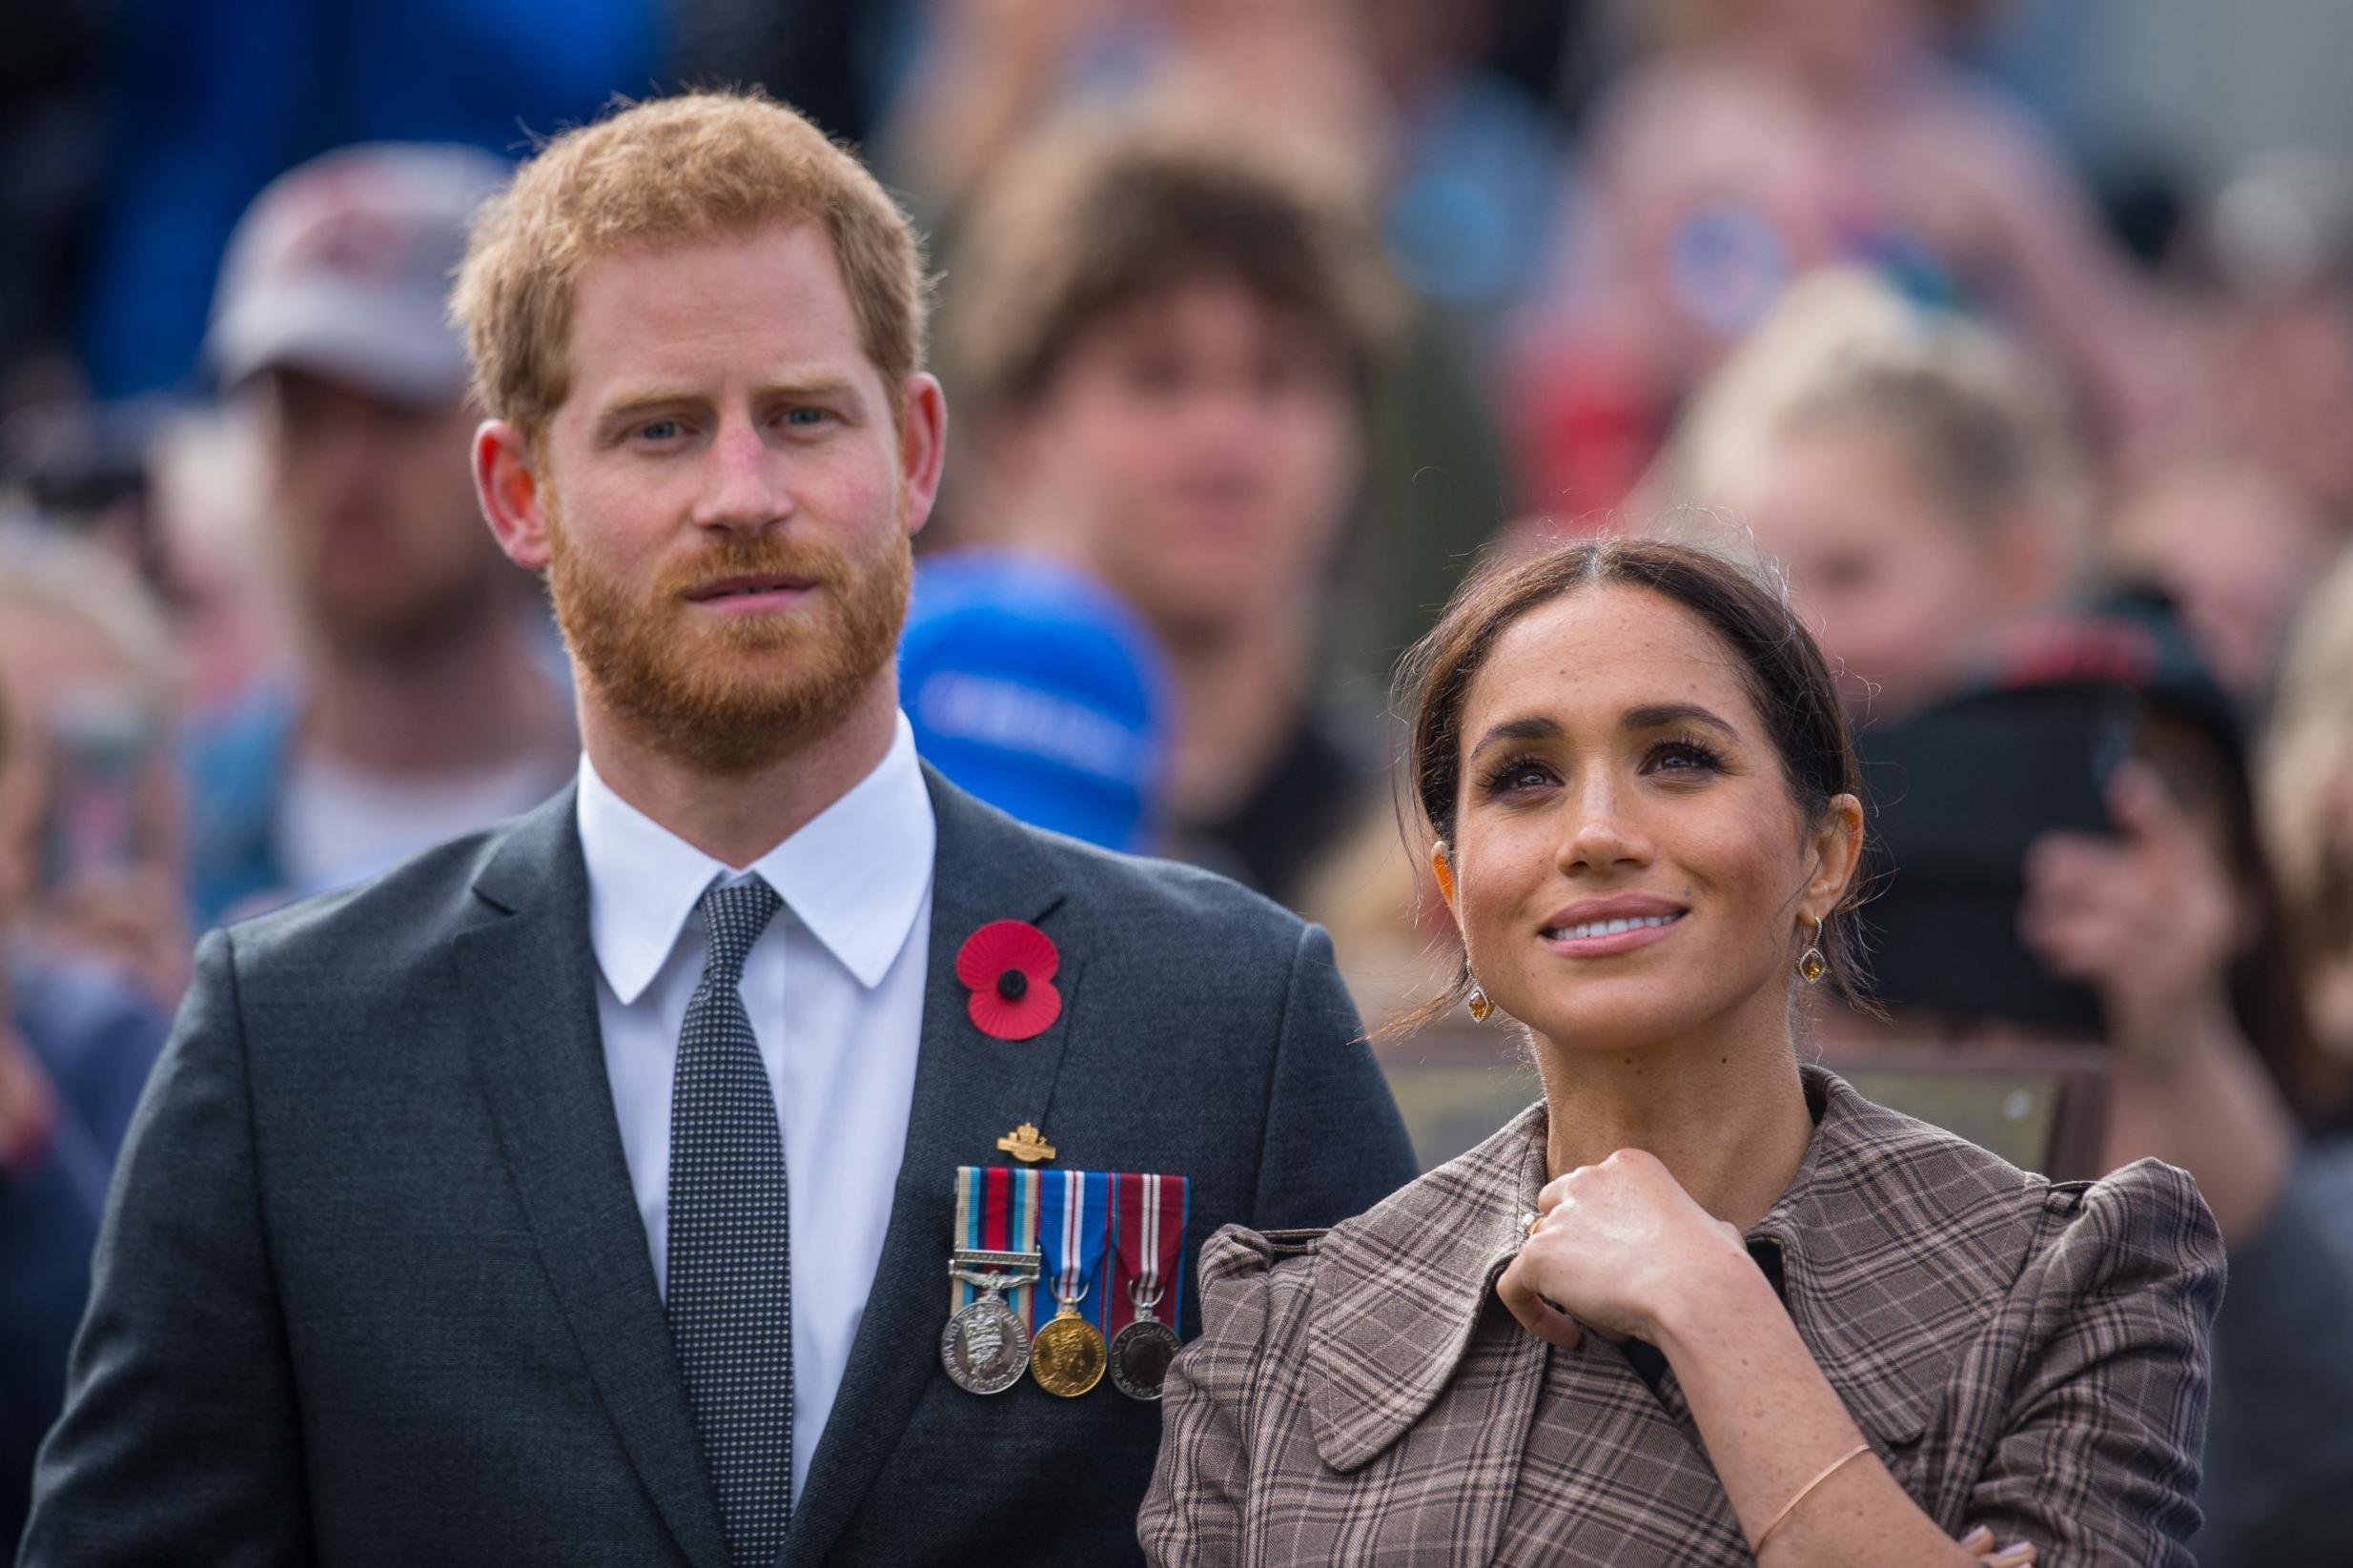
[1540, 1317]
[1978, 1541]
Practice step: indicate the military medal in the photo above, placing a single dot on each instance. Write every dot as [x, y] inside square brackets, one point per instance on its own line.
[1141, 1352]
[986, 1346]
[1150, 1220]
[1068, 1355]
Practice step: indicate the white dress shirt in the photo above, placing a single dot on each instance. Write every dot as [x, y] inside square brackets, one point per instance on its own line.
[834, 990]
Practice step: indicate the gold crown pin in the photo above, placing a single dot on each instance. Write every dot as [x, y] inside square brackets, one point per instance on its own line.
[1025, 1144]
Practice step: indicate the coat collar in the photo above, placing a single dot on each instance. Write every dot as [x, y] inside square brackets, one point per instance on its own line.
[1400, 1290]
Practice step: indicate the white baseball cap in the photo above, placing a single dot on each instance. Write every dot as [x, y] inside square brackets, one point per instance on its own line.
[342, 267]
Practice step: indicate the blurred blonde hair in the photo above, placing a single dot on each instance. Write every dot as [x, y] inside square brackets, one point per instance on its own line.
[46, 571]
[2306, 764]
[1987, 430]
[669, 169]
[1108, 206]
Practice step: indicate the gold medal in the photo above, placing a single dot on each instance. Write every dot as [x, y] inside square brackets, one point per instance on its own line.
[1067, 1356]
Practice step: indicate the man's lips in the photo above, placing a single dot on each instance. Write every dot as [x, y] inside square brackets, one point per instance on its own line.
[756, 592]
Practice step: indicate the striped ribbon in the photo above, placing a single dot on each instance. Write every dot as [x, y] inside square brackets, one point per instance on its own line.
[1149, 1217]
[997, 1211]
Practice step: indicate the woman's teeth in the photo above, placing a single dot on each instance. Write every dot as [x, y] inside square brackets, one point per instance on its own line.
[1608, 928]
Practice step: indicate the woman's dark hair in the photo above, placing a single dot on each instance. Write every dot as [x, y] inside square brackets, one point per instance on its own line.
[1785, 676]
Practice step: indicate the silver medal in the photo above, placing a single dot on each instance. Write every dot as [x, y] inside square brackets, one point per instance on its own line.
[1140, 1352]
[985, 1348]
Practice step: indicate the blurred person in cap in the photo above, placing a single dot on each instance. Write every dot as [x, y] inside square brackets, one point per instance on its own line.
[76, 1041]
[1039, 692]
[2094, 873]
[425, 704]
[1906, 468]
[585, 1190]
[1168, 326]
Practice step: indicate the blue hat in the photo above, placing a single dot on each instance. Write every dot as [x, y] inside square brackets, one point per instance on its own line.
[1032, 688]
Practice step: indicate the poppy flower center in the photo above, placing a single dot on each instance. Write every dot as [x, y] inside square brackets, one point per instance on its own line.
[1012, 984]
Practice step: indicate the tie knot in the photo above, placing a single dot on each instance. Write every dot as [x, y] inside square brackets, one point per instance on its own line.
[733, 917]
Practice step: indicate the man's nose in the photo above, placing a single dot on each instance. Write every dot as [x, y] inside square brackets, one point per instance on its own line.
[742, 482]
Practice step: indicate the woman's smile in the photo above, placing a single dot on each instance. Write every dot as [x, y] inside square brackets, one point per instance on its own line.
[1603, 928]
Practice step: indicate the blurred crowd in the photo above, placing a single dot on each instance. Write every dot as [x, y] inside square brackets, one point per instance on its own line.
[1260, 320]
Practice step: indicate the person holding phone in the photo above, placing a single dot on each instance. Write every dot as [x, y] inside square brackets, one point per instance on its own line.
[85, 654]
[1750, 1316]
[76, 1043]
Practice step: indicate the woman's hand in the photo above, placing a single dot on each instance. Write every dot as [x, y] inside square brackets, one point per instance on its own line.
[2147, 919]
[1980, 1541]
[1614, 1245]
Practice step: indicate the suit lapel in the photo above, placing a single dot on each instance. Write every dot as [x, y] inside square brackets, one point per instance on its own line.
[968, 1088]
[530, 980]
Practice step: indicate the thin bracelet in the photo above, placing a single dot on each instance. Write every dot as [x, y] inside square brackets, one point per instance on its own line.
[1803, 1493]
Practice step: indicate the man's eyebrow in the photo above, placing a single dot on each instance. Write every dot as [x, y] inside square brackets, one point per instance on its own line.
[1661, 715]
[637, 399]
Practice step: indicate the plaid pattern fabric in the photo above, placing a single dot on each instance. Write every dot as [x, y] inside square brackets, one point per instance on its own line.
[2021, 1353]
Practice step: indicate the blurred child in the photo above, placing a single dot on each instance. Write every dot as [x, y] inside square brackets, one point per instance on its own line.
[1168, 329]
[1906, 469]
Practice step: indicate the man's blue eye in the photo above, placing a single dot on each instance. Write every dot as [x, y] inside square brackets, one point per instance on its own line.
[804, 416]
[661, 430]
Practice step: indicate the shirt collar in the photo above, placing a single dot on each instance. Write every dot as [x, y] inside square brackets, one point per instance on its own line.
[855, 876]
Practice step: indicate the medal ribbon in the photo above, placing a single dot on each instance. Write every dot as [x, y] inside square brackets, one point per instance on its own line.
[997, 1211]
[1149, 1217]
[1073, 1231]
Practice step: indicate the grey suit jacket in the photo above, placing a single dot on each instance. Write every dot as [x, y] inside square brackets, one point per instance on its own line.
[373, 1289]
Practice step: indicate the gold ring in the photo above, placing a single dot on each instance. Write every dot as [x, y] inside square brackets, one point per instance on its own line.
[1528, 1228]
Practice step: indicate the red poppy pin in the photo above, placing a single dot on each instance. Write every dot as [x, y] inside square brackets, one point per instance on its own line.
[1009, 966]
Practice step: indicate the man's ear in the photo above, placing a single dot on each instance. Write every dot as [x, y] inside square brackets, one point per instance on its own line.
[1837, 846]
[507, 481]
[923, 446]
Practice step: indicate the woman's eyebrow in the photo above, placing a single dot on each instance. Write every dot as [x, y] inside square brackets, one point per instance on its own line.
[1661, 715]
[1533, 727]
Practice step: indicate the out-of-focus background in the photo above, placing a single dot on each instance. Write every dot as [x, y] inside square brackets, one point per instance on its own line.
[2018, 335]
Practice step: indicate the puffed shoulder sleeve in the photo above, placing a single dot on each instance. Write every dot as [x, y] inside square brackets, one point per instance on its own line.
[1193, 1516]
[2098, 1458]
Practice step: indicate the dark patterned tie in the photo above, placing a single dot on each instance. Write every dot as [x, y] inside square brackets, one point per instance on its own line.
[730, 1264]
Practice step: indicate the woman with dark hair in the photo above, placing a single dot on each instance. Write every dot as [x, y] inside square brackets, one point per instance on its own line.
[1750, 1316]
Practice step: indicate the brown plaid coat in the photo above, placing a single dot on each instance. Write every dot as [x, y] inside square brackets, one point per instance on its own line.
[2021, 1353]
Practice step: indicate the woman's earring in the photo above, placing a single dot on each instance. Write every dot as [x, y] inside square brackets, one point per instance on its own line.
[1480, 1008]
[1811, 966]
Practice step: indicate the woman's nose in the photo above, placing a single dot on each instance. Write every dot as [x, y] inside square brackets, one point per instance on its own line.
[1597, 834]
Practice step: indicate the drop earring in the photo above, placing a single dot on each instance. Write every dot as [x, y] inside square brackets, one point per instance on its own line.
[1482, 1008]
[1811, 966]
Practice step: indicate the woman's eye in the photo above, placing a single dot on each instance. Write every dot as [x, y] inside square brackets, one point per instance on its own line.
[1513, 777]
[1684, 757]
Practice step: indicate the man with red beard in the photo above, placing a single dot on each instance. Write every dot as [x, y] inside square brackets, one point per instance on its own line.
[584, 1191]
